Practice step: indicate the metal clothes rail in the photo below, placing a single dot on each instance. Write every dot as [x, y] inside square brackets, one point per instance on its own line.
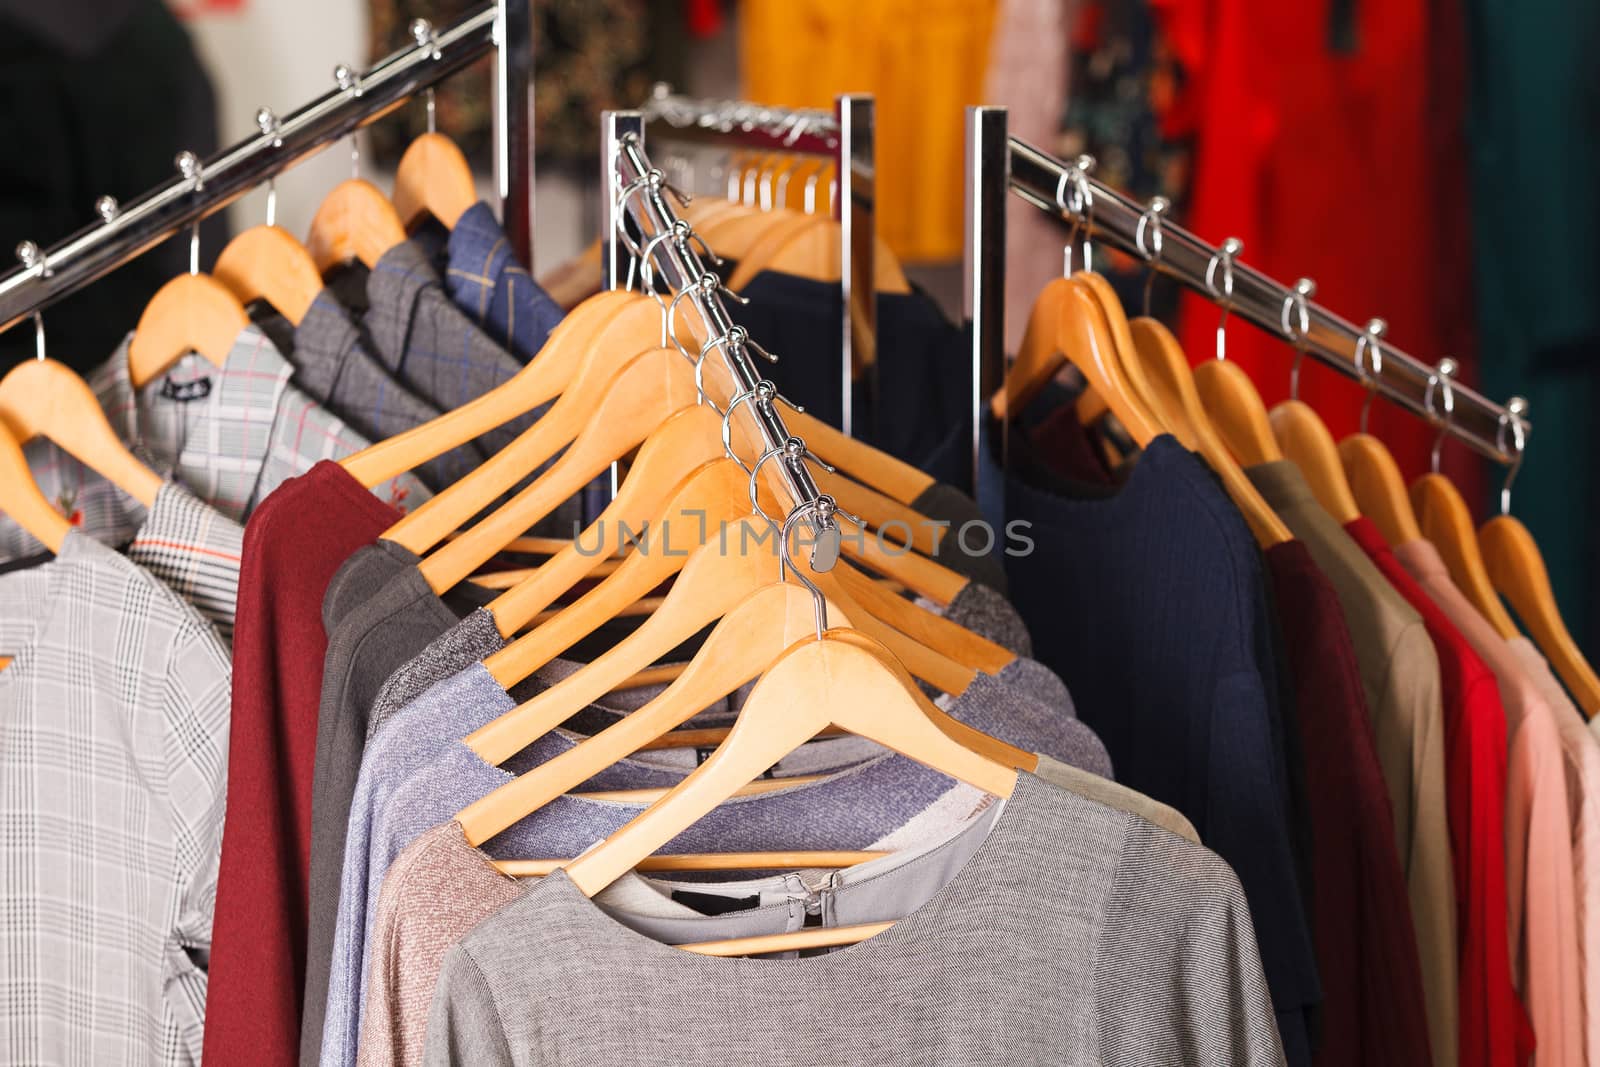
[125, 231]
[633, 186]
[846, 136]
[996, 162]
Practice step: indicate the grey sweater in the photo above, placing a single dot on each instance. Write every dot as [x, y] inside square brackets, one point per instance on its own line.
[1074, 933]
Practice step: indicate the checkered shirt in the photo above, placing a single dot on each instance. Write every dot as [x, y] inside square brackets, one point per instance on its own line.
[485, 280]
[195, 550]
[334, 364]
[113, 744]
[230, 434]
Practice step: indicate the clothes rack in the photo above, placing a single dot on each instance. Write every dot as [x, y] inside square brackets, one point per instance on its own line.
[638, 189]
[996, 162]
[846, 136]
[125, 231]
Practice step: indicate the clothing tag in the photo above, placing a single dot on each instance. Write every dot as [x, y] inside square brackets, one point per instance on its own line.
[712, 903]
[183, 392]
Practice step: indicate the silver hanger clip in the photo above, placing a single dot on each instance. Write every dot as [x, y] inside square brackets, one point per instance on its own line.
[1223, 294]
[189, 166]
[31, 256]
[1080, 205]
[1295, 318]
[1516, 409]
[1150, 220]
[1368, 349]
[1440, 380]
[271, 128]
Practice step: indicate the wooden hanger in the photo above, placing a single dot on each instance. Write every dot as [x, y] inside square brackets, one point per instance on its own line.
[710, 517]
[743, 643]
[267, 263]
[810, 246]
[1066, 325]
[1236, 410]
[1305, 440]
[671, 453]
[1517, 570]
[22, 501]
[1173, 385]
[711, 861]
[43, 398]
[833, 681]
[643, 395]
[190, 313]
[1378, 489]
[433, 179]
[1445, 521]
[354, 222]
[551, 371]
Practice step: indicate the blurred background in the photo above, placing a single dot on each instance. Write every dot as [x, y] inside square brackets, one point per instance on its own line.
[1433, 162]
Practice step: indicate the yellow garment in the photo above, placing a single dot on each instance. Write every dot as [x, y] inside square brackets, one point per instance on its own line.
[924, 61]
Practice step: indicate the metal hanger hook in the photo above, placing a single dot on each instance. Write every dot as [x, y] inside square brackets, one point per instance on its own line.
[1231, 248]
[348, 80]
[1516, 408]
[188, 165]
[1367, 348]
[819, 602]
[1082, 211]
[1440, 379]
[271, 128]
[1297, 327]
[620, 222]
[1150, 219]
[31, 255]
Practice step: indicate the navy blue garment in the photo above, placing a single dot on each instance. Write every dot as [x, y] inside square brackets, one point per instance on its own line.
[485, 280]
[906, 404]
[1149, 601]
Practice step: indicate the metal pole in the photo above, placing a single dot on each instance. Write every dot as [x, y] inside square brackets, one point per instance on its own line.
[1331, 340]
[100, 248]
[513, 124]
[615, 126]
[858, 331]
[984, 270]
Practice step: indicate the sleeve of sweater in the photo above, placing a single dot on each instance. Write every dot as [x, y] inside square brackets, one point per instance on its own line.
[1178, 976]
[464, 1024]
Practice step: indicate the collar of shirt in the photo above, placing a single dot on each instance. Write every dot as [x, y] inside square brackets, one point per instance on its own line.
[325, 342]
[485, 280]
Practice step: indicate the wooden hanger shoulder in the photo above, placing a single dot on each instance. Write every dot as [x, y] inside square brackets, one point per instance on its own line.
[545, 377]
[1305, 440]
[1517, 569]
[1378, 488]
[1445, 521]
[433, 179]
[22, 501]
[354, 222]
[43, 398]
[190, 313]
[1236, 411]
[267, 263]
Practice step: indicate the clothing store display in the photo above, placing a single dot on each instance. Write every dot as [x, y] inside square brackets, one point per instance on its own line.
[110, 864]
[1372, 1008]
[292, 547]
[1131, 754]
[1058, 1004]
[1494, 1027]
[1539, 864]
[230, 434]
[1400, 675]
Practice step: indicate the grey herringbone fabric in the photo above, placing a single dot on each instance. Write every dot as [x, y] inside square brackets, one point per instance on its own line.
[113, 754]
[1074, 934]
[230, 434]
[195, 550]
[334, 364]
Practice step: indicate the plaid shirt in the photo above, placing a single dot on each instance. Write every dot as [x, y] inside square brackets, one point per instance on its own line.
[230, 434]
[113, 745]
[432, 345]
[195, 550]
[333, 363]
[486, 281]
